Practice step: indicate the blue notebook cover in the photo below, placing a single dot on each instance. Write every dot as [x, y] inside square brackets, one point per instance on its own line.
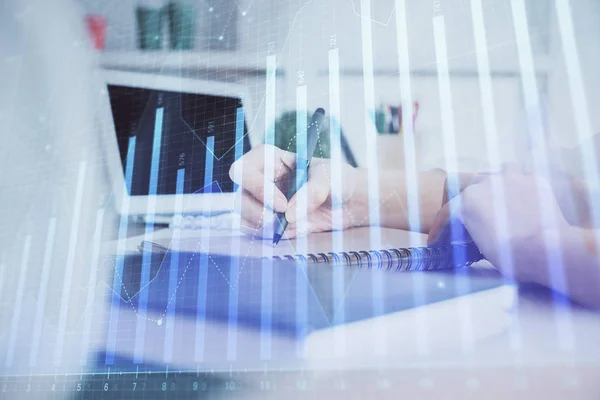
[289, 296]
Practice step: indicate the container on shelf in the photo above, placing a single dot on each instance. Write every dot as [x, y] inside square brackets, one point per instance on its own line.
[182, 25]
[149, 27]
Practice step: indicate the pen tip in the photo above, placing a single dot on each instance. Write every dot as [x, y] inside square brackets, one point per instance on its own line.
[276, 239]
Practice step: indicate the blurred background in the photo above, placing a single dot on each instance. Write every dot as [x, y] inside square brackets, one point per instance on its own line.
[412, 84]
[231, 40]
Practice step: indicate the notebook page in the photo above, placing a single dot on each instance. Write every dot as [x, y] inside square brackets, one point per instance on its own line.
[357, 239]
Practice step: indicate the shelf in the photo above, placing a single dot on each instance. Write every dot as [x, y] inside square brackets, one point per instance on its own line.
[503, 62]
[220, 63]
[466, 69]
[456, 73]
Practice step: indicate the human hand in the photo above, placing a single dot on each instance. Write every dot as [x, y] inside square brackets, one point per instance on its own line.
[509, 216]
[315, 197]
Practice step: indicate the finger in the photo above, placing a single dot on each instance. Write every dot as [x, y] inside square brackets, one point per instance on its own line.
[439, 232]
[252, 210]
[251, 163]
[287, 160]
[314, 193]
[265, 192]
[447, 226]
[248, 172]
[455, 183]
[255, 160]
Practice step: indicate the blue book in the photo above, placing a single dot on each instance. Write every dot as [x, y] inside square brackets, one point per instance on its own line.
[295, 292]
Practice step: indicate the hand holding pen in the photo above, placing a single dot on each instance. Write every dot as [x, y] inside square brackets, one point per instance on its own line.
[299, 174]
[313, 195]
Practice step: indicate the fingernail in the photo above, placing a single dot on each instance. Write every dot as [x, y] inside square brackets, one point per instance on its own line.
[434, 234]
[431, 237]
[280, 202]
[290, 215]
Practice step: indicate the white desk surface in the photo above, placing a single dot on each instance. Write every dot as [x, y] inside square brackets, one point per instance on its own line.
[520, 333]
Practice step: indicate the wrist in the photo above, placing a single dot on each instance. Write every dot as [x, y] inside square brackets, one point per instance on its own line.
[357, 205]
[535, 257]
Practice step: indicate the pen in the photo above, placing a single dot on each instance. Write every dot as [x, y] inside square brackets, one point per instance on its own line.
[301, 171]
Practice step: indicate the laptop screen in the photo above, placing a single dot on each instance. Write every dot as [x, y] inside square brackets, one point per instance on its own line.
[177, 143]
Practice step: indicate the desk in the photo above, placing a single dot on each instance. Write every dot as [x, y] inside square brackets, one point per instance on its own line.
[537, 346]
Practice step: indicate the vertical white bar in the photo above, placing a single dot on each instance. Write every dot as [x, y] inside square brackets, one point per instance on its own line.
[301, 225]
[41, 300]
[337, 217]
[580, 106]
[373, 169]
[91, 287]
[535, 126]
[410, 159]
[493, 146]
[16, 317]
[113, 319]
[369, 93]
[410, 165]
[267, 270]
[4, 293]
[201, 305]
[234, 264]
[450, 153]
[2, 274]
[447, 116]
[140, 330]
[173, 272]
[203, 264]
[66, 289]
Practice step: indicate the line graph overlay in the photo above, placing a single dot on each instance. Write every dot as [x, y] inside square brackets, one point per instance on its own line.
[92, 283]
[385, 22]
[118, 268]
[535, 128]
[373, 172]
[451, 155]
[64, 302]
[41, 302]
[149, 231]
[491, 135]
[170, 321]
[16, 317]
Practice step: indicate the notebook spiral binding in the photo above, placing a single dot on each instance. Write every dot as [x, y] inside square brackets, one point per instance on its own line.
[406, 259]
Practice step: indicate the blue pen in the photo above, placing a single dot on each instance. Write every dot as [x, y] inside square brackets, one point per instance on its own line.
[301, 171]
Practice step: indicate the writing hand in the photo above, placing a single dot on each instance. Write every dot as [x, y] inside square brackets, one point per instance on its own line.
[315, 197]
[509, 213]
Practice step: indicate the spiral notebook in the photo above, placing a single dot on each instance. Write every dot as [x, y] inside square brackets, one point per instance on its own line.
[367, 247]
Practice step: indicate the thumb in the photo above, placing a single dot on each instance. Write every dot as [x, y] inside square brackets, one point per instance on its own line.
[439, 232]
[447, 219]
[309, 197]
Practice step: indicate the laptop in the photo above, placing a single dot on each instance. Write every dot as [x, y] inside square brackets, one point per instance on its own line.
[173, 137]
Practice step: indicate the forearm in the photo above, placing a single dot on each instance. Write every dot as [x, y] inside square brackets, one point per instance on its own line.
[574, 197]
[402, 204]
[580, 268]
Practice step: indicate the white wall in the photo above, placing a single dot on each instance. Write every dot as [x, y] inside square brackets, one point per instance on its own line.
[586, 24]
[344, 19]
[300, 33]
